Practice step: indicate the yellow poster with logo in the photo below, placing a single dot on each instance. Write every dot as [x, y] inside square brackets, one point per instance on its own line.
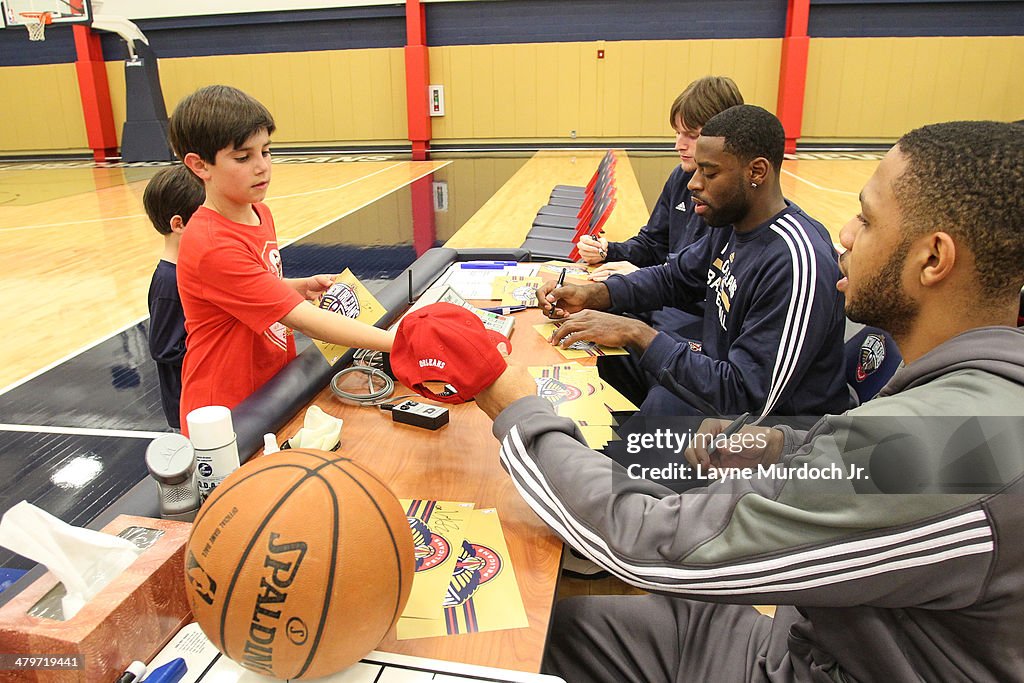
[580, 349]
[516, 290]
[580, 271]
[572, 393]
[578, 393]
[572, 388]
[348, 297]
[438, 529]
[482, 592]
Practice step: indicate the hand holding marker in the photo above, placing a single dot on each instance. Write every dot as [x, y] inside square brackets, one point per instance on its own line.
[561, 281]
[723, 438]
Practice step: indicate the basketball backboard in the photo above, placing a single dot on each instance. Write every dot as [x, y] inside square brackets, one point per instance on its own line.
[22, 12]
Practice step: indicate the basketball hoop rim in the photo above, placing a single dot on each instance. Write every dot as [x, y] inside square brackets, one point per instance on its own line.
[40, 17]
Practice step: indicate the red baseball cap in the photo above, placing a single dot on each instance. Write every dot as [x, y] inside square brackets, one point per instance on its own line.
[447, 344]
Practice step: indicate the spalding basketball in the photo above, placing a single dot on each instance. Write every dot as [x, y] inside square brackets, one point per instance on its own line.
[299, 563]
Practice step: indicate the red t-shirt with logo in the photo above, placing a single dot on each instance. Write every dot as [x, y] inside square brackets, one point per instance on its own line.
[230, 281]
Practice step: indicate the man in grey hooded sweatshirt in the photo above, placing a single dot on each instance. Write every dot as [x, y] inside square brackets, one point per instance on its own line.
[891, 536]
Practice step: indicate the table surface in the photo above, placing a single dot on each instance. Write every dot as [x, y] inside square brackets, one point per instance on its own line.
[459, 462]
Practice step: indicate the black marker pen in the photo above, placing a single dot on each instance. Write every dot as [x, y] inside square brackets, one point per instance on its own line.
[135, 671]
[561, 281]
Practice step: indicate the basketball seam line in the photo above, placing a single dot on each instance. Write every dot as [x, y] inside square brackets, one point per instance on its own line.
[249, 546]
[394, 545]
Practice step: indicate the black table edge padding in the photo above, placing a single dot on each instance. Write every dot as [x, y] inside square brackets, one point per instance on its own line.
[277, 401]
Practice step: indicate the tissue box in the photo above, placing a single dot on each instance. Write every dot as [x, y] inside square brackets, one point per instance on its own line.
[132, 618]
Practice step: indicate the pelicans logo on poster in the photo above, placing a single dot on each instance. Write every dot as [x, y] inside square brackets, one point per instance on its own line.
[341, 298]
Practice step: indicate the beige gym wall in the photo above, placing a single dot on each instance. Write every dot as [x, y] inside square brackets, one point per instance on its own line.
[882, 87]
[857, 88]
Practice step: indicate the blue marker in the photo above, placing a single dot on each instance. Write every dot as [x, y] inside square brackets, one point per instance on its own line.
[171, 672]
[488, 265]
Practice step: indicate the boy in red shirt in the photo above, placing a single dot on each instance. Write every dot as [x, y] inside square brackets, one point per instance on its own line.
[239, 310]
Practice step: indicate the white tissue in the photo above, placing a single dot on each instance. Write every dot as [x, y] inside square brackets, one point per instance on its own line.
[319, 430]
[82, 559]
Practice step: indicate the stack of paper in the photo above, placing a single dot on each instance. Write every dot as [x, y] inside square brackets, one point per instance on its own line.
[515, 290]
[501, 324]
[464, 581]
[205, 664]
[580, 349]
[577, 392]
[474, 279]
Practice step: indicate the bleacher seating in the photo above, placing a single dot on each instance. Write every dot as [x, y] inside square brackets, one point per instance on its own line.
[572, 212]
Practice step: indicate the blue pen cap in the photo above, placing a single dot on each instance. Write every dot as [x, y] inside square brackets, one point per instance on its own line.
[171, 672]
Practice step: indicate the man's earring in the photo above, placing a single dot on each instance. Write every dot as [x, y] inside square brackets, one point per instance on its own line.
[753, 185]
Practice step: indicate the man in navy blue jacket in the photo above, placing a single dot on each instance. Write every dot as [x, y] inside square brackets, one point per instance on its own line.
[773, 324]
[673, 225]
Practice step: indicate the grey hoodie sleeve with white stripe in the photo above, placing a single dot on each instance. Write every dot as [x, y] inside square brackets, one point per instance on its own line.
[794, 541]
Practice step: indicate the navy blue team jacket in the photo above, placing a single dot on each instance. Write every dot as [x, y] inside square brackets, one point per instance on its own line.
[773, 324]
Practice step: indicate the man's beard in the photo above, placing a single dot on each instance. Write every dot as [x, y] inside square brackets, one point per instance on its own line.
[730, 212]
[880, 299]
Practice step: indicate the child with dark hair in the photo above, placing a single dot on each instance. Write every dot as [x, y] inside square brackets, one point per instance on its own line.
[170, 199]
[239, 309]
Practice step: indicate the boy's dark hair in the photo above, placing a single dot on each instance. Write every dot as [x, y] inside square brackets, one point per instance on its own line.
[702, 99]
[965, 178]
[214, 118]
[174, 191]
[749, 132]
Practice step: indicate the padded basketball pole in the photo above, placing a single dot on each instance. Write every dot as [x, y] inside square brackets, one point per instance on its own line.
[417, 78]
[144, 135]
[95, 93]
[424, 228]
[793, 71]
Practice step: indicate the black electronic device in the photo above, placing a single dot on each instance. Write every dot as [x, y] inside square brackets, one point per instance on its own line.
[420, 414]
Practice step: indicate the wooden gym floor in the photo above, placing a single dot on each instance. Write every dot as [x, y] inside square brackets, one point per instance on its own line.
[77, 250]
